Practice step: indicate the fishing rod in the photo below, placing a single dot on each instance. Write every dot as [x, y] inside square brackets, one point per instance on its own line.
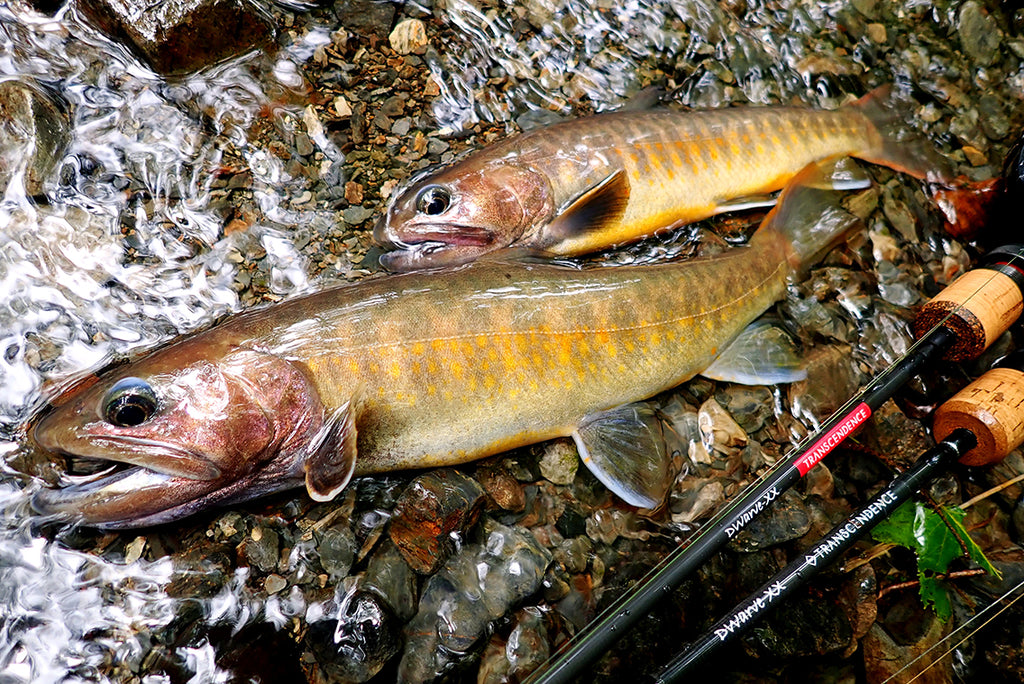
[980, 425]
[958, 324]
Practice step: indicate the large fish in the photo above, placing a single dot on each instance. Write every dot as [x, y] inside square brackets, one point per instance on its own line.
[424, 369]
[598, 182]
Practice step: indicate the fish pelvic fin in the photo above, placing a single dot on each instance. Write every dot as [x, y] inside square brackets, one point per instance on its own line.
[898, 146]
[331, 455]
[579, 224]
[762, 354]
[627, 449]
[808, 215]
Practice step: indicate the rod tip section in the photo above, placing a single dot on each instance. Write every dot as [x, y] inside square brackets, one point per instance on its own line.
[992, 408]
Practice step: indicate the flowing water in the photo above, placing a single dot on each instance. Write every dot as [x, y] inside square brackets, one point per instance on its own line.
[178, 201]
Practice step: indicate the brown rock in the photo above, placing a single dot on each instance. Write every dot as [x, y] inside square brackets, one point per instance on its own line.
[502, 487]
[181, 36]
[432, 507]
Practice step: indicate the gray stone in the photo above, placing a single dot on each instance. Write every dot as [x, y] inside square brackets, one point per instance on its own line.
[356, 215]
[261, 549]
[337, 550]
[389, 576]
[559, 462]
[979, 33]
[181, 36]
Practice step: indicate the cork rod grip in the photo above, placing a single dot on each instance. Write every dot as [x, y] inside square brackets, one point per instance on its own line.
[977, 307]
[992, 407]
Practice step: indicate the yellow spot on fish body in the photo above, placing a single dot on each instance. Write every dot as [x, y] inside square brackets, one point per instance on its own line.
[394, 370]
[418, 348]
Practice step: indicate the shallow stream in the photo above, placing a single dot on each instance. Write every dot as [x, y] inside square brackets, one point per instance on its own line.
[178, 201]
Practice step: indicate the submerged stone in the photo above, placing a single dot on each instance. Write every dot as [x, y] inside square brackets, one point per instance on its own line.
[357, 640]
[432, 508]
[475, 587]
[33, 135]
[181, 36]
[390, 577]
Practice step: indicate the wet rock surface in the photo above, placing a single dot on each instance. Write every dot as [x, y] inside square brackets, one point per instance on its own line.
[34, 133]
[429, 513]
[181, 36]
[181, 200]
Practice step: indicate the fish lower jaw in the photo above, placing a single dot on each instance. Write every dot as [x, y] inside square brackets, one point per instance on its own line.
[409, 256]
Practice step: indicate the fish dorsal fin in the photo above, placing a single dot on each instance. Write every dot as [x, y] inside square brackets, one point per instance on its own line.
[331, 459]
[762, 354]
[593, 210]
[626, 449]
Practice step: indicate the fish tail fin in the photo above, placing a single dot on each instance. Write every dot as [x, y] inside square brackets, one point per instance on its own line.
[897, 146]
[808, 215]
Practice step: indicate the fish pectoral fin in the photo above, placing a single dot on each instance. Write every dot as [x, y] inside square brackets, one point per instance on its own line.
[626, 448]
[759, 201]
[762, 354]
[332, 454]
[594, 209]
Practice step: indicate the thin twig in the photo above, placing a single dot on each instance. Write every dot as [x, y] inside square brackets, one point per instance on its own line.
[944, 576]
[995, 490]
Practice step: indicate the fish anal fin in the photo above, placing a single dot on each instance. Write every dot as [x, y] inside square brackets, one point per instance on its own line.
[331, 458]
[592, 211]
[627, 450]
[762, 354]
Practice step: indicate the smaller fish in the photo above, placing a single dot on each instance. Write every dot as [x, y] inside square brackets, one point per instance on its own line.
[581, 186]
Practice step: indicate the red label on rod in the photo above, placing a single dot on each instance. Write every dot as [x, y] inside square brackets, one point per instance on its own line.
[832, 438]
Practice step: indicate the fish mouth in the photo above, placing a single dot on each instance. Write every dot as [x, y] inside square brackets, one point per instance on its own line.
[123, 497]
[161, 457]
[436, 249]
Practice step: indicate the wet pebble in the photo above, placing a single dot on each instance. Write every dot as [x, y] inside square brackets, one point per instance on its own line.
[893, 437]
[433, 507]
[409, 35]
[787, 518]
[750, 407]
[512, 659]
[261, 549]
[336, 548]
[718, 429]
[355, 641]
[699, 499]
[903, 634]
[502, 487]
[356, 215]
[559, 462]
[979, 32]
[391, 578]
[477, 586]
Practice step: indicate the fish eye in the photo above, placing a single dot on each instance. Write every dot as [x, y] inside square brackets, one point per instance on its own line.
[129, 402]
[434, 200]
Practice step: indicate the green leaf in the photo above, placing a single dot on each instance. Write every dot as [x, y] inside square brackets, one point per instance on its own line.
[937, 540]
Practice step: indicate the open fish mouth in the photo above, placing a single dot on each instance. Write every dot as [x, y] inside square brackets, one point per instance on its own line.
[119, 495]
[435, 250]
[101, 452]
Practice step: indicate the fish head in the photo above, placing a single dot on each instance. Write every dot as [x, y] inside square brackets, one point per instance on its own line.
[457, 215]
[177, 432]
